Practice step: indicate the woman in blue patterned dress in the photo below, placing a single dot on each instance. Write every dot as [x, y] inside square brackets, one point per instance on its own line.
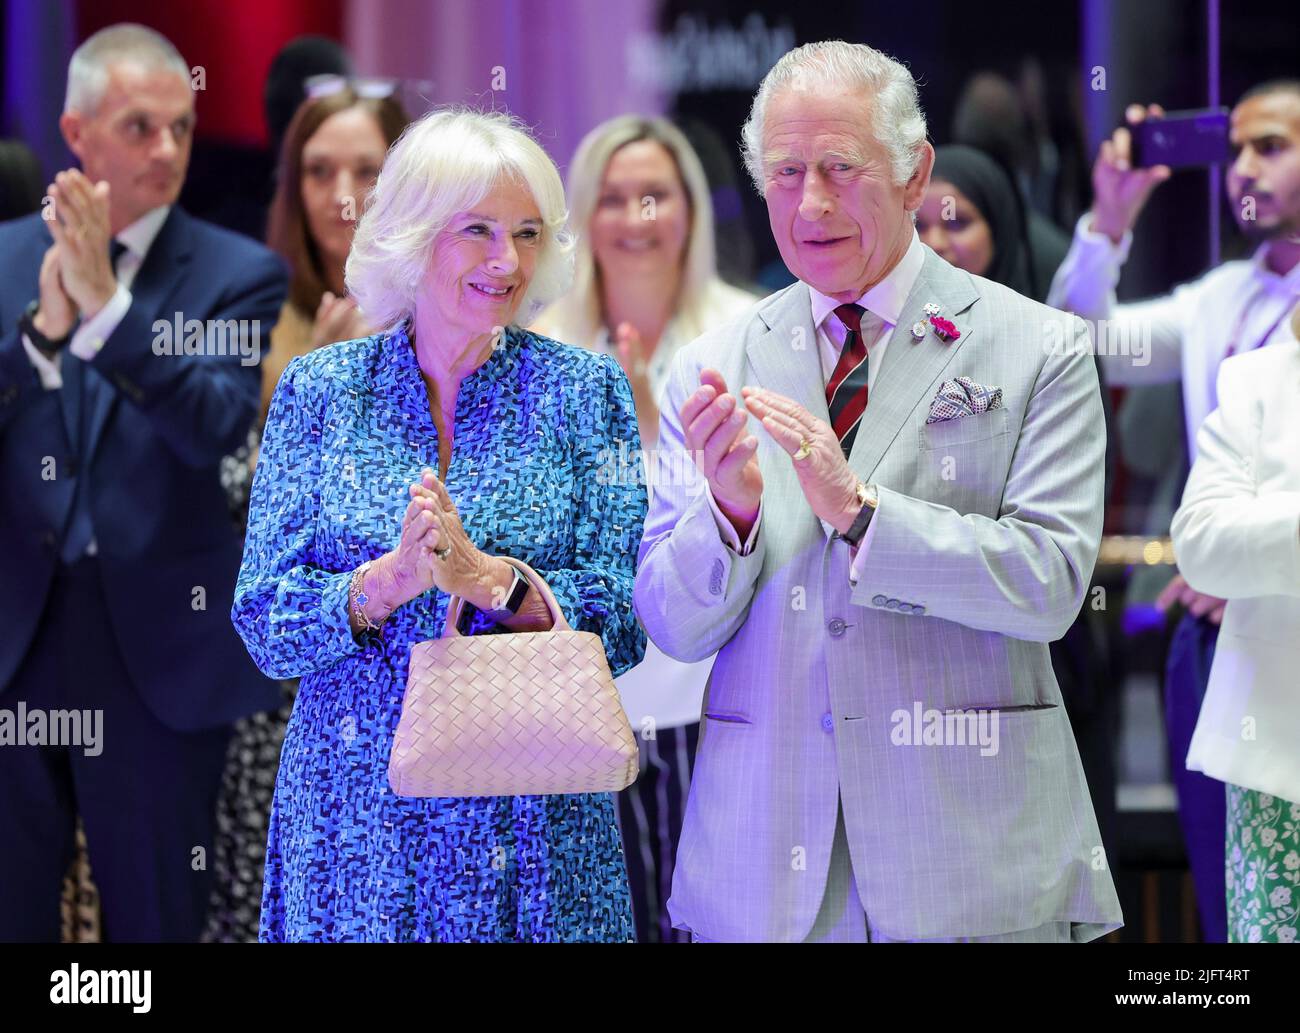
[354, 546]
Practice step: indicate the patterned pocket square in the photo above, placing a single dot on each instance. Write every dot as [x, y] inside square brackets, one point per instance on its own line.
[963, 397]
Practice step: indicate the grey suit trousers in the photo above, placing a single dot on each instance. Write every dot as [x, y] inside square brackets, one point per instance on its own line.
[841, 918]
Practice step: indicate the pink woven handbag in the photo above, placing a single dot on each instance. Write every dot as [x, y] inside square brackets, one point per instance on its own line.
[519, 714]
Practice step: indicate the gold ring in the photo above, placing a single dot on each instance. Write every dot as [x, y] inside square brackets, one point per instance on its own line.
[805, 449]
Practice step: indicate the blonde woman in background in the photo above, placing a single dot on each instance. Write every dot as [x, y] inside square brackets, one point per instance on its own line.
[646, 284]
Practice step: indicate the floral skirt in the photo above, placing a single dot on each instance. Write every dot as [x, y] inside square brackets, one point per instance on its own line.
[1263, 867]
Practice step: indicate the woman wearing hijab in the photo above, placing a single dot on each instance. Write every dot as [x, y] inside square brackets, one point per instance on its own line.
[974, 219]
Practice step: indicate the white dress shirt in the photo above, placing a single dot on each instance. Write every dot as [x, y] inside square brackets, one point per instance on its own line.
[1185, 334]
[90, 336]
[885, 302]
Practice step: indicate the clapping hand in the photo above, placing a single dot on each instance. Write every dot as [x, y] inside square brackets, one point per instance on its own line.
[631, 357]
[337, 319]
[57, 313]
[435, 552]
[81, 234]
[828, 483]
[409, 570]
[713, 425]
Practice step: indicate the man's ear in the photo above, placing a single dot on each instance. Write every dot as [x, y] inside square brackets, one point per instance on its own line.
[914, 192]
[73, 126]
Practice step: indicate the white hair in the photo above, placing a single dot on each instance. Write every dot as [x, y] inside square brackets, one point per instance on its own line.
[579, 311]
[898, 122]
[127, 42]
[443, 164]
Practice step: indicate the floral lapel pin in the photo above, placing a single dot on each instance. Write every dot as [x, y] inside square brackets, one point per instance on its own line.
[945, 329]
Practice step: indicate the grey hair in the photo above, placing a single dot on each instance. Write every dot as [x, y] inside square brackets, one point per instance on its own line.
[443, 164]
[898, 121]
[88, 69]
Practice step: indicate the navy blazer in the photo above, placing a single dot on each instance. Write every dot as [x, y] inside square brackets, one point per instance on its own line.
[168, 551]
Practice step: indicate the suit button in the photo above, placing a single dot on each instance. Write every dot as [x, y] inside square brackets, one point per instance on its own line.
[918, 611]
[836, 627]
[715, 578]
[878, 600]
[904, 607]
[828, 723]
[892, 604]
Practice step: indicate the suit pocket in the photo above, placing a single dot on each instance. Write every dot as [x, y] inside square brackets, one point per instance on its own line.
[1020, 708]
[728, 718]
[965, 430]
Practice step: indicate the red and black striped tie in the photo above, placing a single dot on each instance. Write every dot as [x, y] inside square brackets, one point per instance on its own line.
[846, 392]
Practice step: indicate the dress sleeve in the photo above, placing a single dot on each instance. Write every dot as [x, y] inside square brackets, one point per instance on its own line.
[291, 612]
[595, 594]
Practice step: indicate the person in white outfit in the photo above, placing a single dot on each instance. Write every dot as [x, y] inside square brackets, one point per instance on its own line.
[1237, 537]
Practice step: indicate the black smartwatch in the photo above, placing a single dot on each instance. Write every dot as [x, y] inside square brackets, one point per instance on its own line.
[27, 324]
[514, 598]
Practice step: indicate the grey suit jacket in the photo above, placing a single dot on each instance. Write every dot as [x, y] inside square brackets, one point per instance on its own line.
[979, 555]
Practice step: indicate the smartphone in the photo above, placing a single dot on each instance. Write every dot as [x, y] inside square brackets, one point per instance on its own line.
[1182, 140]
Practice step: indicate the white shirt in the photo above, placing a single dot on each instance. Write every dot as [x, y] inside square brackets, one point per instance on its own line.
[885, 300]
[90, 336]
[1185, 334]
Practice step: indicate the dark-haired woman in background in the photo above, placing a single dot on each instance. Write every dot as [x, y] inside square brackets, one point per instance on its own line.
[973, 218]
[333, 150]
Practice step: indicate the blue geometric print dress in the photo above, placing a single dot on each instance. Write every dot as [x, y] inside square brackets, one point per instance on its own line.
[349, 429]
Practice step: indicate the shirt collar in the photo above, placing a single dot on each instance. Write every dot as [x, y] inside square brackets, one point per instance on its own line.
[885, 299]
[140, 235]
[1258, 260]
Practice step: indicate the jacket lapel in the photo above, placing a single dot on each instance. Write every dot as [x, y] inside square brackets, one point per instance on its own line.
[786, 359]
[166, 262]
[910, 368]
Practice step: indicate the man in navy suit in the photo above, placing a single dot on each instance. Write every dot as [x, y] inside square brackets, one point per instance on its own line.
[130, 335]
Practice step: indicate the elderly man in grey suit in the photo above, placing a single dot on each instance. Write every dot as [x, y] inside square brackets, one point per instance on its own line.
[884, 753]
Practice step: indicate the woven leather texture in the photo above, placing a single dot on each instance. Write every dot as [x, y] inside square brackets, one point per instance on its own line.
[524, 714]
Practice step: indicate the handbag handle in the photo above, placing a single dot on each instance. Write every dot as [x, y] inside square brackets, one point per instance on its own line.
[455, 604]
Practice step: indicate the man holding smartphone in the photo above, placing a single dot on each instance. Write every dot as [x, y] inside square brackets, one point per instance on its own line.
[1234, 308]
